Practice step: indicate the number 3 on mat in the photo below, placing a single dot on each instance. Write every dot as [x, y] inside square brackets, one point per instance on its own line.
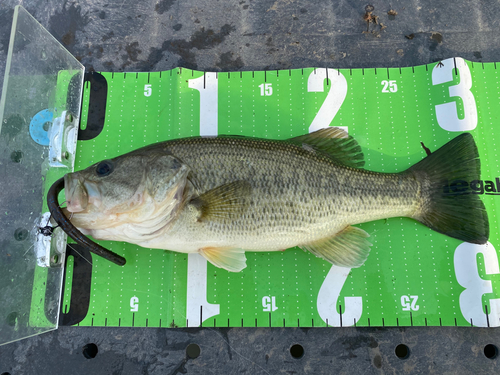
[466, 271]
[446, 114]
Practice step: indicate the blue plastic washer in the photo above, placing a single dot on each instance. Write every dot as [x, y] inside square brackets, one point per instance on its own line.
[37, 131]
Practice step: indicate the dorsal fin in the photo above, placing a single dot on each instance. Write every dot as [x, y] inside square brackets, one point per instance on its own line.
[334, 142]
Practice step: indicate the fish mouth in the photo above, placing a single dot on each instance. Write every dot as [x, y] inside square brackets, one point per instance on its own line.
[61, 219]
[77, 198]
[79, 193]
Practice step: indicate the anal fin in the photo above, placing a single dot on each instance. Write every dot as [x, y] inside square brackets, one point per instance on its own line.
[348, 248]
[233, 260]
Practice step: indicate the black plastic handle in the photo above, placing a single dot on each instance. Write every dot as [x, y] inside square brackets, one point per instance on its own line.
[96, 114]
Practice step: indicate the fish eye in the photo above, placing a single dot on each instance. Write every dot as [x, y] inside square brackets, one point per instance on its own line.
[104, 168]
[176, 164]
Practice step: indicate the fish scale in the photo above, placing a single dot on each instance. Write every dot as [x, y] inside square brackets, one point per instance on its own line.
[327, 195]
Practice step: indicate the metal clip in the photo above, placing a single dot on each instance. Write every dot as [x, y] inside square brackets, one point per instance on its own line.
[63, 137]
[48, 243]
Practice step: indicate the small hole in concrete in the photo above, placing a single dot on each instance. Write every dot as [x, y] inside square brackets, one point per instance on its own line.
[491, 351]
[16, 157]
[297, 351]
[12, 319]
[5, 373]
[402, 351]
[20, 234]
[90, 351]
[193, 351]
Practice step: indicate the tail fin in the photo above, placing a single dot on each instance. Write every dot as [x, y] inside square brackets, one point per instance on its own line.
[450, 201]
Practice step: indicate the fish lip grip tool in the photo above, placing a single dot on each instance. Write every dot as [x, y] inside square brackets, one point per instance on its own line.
[72, 231]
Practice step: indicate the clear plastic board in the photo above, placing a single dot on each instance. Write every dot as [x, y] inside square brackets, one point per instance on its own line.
[39, 109]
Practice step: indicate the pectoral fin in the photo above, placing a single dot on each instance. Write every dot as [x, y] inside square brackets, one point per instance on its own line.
[224, 202]
[348, 248]
[232, 260]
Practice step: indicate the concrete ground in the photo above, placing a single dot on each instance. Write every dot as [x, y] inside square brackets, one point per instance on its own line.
[213, 35]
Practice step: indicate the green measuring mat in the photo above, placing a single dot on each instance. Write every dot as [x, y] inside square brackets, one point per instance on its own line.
[413, 275]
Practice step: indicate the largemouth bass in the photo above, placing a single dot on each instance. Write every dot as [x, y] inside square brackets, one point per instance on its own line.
[222, 196]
